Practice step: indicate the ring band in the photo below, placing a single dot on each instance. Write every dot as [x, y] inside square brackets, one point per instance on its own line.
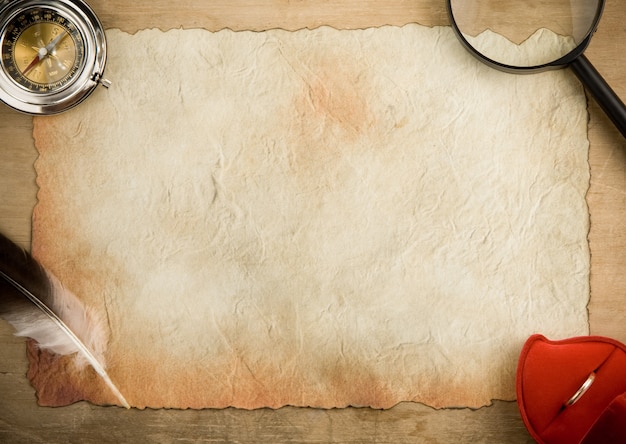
[581, 391]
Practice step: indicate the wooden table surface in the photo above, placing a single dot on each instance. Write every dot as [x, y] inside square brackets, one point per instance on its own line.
[21, 420]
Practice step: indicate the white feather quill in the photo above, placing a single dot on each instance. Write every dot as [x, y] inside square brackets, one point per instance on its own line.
[39, 307]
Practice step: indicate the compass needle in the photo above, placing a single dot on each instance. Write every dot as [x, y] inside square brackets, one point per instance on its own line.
[53, 44]
[32, 64]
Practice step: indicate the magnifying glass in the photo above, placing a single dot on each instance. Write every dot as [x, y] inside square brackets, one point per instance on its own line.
[551, 34]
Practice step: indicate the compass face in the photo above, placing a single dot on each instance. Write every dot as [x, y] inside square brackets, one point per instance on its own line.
[42, 51]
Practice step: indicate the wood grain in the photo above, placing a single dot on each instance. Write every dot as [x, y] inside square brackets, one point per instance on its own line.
[21, 420]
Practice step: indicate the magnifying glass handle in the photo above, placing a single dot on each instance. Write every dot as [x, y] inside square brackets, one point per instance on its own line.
[601, 91]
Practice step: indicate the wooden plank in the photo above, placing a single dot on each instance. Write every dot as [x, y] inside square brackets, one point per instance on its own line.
[607, 194]
[262, 15]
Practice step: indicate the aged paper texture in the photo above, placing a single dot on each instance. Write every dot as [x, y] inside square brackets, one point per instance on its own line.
[315, 218]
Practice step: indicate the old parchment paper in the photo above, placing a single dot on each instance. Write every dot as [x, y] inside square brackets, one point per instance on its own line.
[315, 218]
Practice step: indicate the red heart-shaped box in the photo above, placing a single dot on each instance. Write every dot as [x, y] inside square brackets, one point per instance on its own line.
[573, 390]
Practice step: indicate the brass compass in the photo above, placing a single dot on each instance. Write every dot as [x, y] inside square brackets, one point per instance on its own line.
[53, 54]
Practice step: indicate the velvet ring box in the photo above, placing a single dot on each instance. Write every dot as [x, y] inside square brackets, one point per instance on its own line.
[573, 390]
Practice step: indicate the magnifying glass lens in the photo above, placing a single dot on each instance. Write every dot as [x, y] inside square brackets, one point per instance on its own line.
[547, 30]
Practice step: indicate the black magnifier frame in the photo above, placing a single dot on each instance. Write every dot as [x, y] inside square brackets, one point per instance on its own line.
[575, 59]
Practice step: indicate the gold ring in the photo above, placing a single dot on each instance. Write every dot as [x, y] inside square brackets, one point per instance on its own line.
[581, 391]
